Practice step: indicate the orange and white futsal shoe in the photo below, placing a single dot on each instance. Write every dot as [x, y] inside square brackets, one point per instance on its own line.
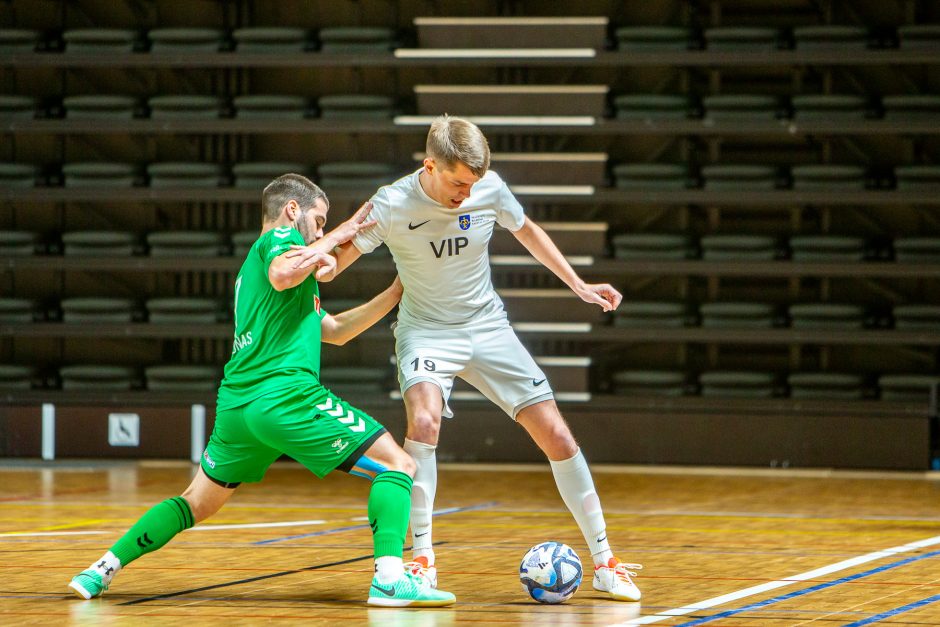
[615, 580]
[422, 568]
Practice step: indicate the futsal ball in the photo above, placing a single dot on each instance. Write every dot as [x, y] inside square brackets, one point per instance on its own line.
[550, 572]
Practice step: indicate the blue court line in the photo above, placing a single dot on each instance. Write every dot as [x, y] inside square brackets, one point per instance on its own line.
[811, 589]
[897, 610]
[440, 512]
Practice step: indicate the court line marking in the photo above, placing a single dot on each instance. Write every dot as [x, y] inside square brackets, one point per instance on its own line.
[608, 512]
[282, 573]
[706, 530]
[539, 514]
[326, 532]
[805, 591]
[88, 522]
[287, 523]
[642, 469]
[10, 534]
[779, 583]
[895, 611]
[755, 515]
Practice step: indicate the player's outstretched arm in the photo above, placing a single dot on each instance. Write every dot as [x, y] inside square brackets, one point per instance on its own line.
[344, 326]
[305, 256]
[541, 246]
[283, 273]
[349, 229]
[345, 256]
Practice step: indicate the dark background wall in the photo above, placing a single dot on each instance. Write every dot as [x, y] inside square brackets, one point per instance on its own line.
[643, 393]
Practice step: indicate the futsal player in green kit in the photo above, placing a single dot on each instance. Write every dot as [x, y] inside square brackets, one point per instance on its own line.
[271, 401]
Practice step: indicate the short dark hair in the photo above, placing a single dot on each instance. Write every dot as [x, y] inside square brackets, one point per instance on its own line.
[289, 187]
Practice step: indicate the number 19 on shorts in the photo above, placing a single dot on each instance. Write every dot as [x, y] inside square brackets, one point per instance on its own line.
[427, 364]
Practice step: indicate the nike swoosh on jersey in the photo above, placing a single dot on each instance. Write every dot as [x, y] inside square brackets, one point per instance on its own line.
[412, 227]
[538, 382]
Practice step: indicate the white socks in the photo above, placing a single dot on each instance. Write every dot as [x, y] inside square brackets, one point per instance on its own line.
[108, 566]
[422, 496]
[389, 568]
[573, 478]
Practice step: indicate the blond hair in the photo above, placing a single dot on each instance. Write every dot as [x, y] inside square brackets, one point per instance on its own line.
[289, 187]
[453, 140]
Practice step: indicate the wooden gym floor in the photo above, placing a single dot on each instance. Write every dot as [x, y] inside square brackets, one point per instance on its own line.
[736, 548]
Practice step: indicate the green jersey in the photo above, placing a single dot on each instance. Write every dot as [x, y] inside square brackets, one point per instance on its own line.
[277, 334]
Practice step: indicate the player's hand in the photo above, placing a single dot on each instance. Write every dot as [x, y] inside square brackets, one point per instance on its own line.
[304, 257]
[602, 294]
[358, 223]
[327, 266]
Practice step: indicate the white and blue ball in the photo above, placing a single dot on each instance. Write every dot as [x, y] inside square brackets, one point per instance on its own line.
[550, 572]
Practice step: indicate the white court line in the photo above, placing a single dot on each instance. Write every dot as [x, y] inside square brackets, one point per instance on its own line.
[11, 534]
[290, 523]
[779, 583]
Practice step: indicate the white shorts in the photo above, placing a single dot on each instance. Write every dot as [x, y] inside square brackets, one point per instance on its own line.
[493, 361]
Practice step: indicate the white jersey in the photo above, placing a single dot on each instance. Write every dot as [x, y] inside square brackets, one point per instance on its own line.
[441, 253]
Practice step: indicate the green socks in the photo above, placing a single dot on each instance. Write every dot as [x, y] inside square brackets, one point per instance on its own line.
[157, 527]
[389, 505]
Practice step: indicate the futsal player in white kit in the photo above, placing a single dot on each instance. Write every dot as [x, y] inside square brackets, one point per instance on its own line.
[437, 223]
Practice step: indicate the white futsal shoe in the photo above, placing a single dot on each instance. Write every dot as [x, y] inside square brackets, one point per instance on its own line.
[614, 579]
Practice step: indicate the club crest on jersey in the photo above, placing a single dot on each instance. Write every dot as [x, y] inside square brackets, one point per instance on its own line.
[316, 304]
[463, 221]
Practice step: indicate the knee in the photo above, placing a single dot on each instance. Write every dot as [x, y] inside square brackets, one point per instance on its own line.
[200, 507]
[559, 443]
[563, 447]
[402, 462]
[196, 506]
[424, 426]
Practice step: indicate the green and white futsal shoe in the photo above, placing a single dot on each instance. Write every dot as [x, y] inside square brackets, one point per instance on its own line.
[408, 591]
[88, 584]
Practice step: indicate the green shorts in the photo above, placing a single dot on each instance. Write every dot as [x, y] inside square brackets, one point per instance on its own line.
[307, 423]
